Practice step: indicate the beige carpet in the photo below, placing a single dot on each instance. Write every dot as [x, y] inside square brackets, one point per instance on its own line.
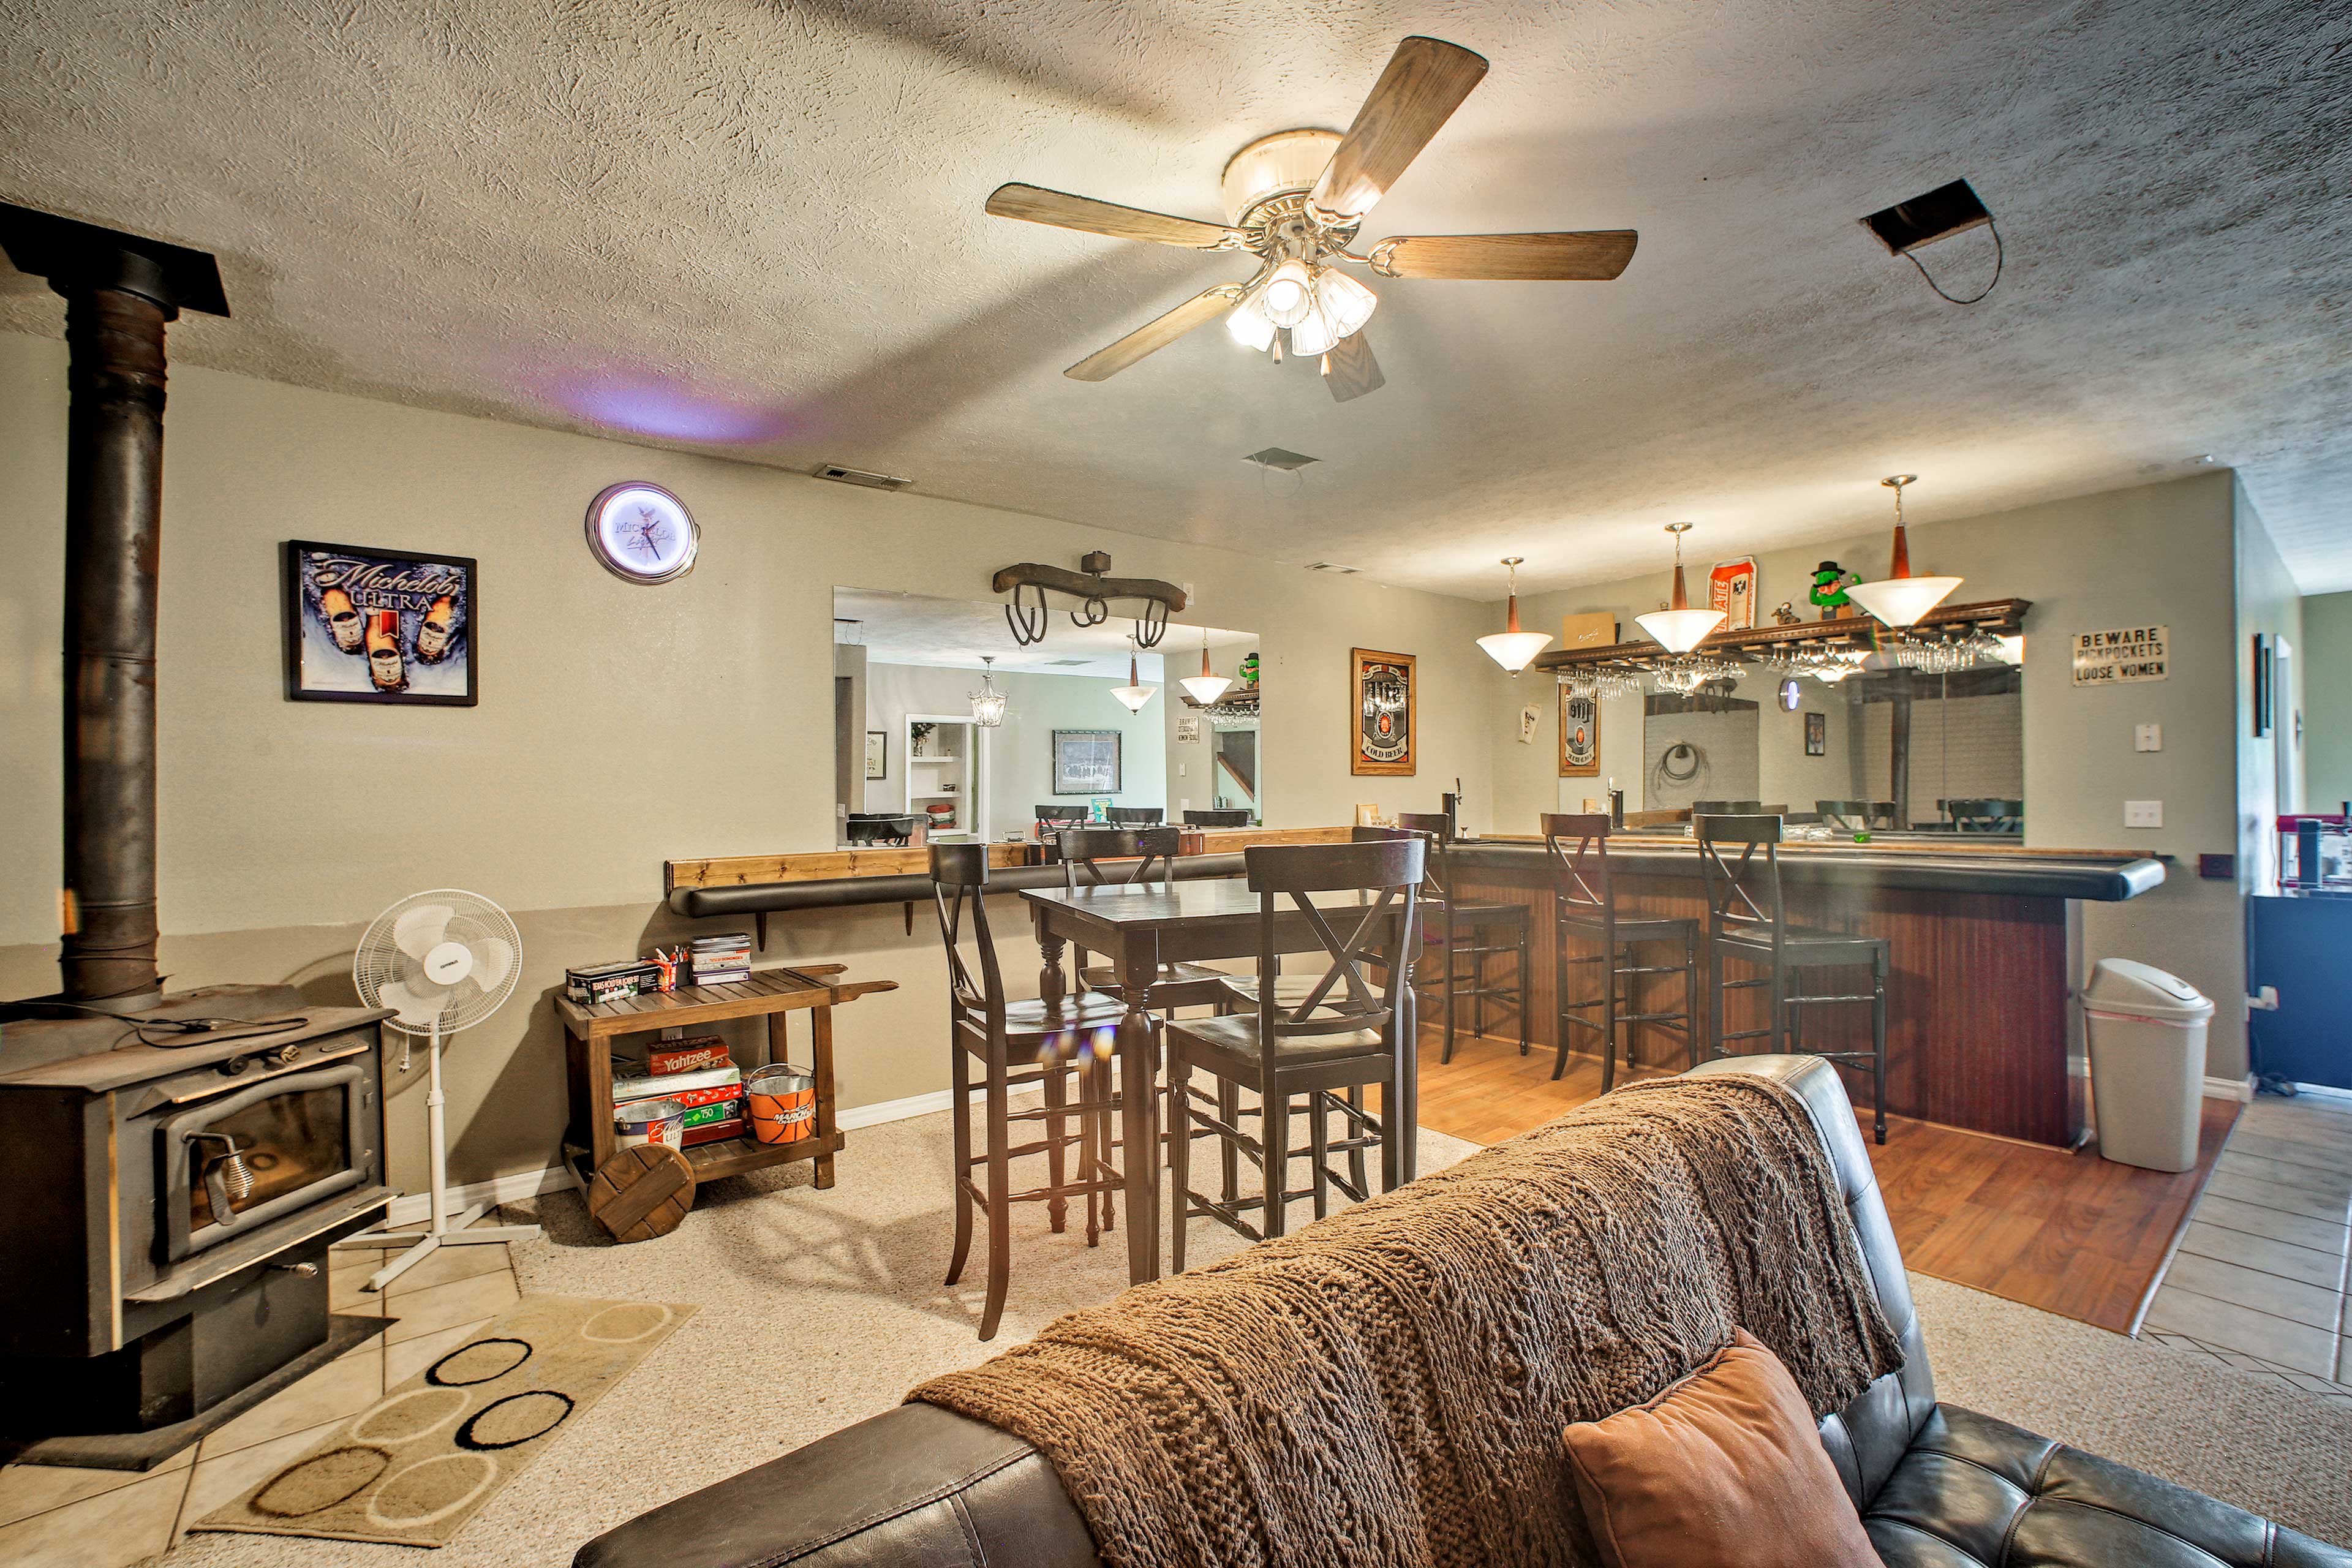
[820, 1309]
[412, 1468]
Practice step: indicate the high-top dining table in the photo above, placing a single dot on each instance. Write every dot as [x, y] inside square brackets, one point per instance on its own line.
[1138, 929]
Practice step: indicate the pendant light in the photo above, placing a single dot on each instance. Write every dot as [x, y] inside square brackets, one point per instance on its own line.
[1899, 599]
[1511, 647]
[987, 703]
[1679, 629]
[1206, 687]
[1134, 694]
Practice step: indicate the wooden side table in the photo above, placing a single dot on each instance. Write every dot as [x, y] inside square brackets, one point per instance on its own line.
[771, 994]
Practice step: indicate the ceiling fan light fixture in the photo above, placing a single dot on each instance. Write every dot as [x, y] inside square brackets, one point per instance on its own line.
[1347, 303]
[1288, 297]
[1315, 334]
[1249, 324]
[1679, 629]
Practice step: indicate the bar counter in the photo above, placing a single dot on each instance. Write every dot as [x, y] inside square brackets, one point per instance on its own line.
[1985, 943]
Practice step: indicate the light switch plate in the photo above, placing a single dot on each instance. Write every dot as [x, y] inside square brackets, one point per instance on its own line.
[2147, 738]
[2143, 814]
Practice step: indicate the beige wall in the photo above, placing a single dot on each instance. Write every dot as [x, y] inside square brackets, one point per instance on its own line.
[2159, 553]
[2269, 767]
[619, 726]
[2327, 701]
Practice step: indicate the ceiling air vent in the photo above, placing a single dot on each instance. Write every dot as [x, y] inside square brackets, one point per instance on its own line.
[1276, 457]
[1067, 663]
[861, 477]
[1334, 566]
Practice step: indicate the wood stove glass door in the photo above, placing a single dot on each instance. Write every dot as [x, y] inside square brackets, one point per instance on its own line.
[245, 1159]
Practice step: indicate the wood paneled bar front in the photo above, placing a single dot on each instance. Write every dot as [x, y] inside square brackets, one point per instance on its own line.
[1985, 946]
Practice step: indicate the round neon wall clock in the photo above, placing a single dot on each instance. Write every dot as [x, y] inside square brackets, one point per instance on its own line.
[642, 533]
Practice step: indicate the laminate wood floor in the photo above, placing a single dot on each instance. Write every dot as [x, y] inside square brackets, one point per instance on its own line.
[2070, 1234]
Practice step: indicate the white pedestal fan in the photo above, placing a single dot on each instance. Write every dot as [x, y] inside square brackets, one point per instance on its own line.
[442, 961]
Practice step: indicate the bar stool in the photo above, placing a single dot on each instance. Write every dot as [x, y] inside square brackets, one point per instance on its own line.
[1150, 855]
[1341, 1035]
[1742, 926]
[1584, 905]
[984, 1026]
[1464, 932]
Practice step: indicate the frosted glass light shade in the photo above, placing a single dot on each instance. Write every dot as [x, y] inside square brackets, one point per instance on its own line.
[1679, 631]
[1249, 324]
[1902, 601]
[1513, 650]
[1135, 697]
[1289, 294]
[1347, 304]
[988, 709]
[1313, 334]
[1205, 689]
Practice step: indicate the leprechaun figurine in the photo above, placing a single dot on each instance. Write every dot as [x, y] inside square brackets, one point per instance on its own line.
[1829, 590]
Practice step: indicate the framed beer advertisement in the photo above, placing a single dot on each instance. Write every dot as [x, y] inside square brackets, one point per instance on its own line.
[1580, 736]
[1387, 696]
[379, 625]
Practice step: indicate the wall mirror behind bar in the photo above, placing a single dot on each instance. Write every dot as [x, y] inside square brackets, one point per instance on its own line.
[913, 763]
[1891, 750]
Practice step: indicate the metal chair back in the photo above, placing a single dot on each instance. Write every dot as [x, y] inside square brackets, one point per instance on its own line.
[1236, 817]
[1135, 816]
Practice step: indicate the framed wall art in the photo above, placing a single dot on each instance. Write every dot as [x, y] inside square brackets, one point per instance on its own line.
[1386, 690]
[1817, 734]
[1086, 761]
[380, 626]
[877, 753]
[1580, 736]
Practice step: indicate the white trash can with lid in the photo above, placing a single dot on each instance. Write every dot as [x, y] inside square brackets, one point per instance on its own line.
[2147, 1033]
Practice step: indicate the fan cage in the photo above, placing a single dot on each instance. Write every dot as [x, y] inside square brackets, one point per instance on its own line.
[379, 960]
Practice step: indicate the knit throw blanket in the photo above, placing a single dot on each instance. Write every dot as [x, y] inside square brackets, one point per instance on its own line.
[1389, 1385]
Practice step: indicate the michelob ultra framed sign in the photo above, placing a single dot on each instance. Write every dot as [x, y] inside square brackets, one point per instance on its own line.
[378, 625]
[2124, 653]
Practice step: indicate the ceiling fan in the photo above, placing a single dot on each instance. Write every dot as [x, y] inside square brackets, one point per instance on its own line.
[1295, 200]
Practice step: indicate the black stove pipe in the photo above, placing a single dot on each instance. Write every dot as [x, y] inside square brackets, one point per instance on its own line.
[119, 290]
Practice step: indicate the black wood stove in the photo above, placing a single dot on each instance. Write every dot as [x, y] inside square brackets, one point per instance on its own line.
[172, 1168]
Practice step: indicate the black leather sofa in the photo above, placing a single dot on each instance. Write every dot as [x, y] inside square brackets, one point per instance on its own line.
[1938, 1487]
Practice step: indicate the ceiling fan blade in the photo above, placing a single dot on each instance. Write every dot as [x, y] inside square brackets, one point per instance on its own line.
[1425, 83]
[1034, 203]
[1594, 256]
[1154, 335]
[1350, 370]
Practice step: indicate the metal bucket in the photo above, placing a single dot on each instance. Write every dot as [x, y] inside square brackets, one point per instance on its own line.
[649, 1121]
[782, 1103]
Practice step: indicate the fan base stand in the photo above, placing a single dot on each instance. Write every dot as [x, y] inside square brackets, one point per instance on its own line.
[446, 1229]
[427, 1243]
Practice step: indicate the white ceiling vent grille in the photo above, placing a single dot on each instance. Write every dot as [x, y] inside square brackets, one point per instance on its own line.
[862, 478]
[1333, 566]
[1278, 457]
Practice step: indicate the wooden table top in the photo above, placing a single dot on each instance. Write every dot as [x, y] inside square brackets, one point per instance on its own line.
[1140, 908]
[767, 991]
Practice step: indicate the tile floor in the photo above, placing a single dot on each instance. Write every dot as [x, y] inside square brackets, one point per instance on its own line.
[63, 1518]
[2259, 1279]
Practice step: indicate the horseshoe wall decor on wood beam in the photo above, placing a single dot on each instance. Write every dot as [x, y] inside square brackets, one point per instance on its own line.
[1094, 589]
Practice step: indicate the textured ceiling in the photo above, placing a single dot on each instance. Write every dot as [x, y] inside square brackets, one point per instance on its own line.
[913, 628]
[756, 229]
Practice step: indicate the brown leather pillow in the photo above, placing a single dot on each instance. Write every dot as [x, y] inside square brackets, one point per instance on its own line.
[1724, 1469]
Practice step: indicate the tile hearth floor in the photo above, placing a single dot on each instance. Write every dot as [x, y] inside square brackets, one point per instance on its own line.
[62, 1518]
[2258, 1281]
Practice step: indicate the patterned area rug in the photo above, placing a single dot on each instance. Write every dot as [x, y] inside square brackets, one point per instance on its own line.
[412, 1468]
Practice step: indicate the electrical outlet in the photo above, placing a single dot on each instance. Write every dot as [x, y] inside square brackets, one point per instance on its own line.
[2147, 738]
[2143, 814]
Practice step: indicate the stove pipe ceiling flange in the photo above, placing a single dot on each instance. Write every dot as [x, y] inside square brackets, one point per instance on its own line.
[119, 289]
